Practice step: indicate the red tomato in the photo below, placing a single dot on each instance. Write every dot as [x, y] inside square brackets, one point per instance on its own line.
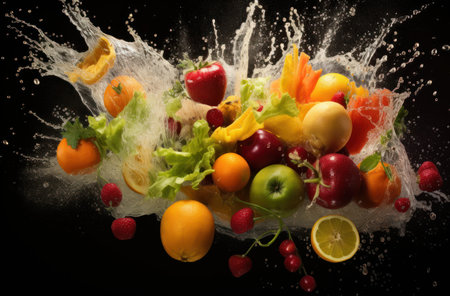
[207, 85]
[366, 113]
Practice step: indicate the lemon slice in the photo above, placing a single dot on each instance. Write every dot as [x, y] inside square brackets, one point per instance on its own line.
[96, 63]
[335, 238]
[135, 171]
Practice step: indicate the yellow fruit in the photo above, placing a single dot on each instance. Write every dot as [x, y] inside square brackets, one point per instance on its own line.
[328, 85]
[287, 128]
[187, 230]
[335, 238]
[96, 64]
[326, 128]
[231, 108]
[135, 171]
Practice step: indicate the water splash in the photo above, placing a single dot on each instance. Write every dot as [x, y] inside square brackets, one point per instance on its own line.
[148, 65]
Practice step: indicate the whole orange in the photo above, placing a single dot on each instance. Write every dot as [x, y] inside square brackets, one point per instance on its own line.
[119, 93]
[376, 188]
[231, 172]
[81, 160]
[187, 230]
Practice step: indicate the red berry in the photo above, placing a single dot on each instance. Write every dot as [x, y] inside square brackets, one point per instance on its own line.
[298, 153]
[123, 228]
[339, 98]
[174, 126]
[214, 117]
[260, 108]
[308, 283]
[427, 165]
[292, 262]
[242, 220]
[402, 204]
[239, 265]
[429, 180]
[111, 195]
[287, 247]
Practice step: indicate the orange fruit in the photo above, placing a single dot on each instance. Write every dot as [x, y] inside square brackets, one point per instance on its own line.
[328, 85]
[335, 238]
[96, 63]
[82, 160]
[377, 189]
[119, 93]
[187, 230]
[231, 172]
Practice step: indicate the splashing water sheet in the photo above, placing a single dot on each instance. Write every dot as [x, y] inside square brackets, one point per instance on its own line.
[58, 231]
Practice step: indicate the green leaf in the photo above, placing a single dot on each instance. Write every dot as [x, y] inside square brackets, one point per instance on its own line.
[370, 162]
[284, 106]
[388, 171]
[74, 132]
[252, 90]
[384, 139]
[118, 88]
[172, 99]
[192, 164]
[399, 123]
[108, 135]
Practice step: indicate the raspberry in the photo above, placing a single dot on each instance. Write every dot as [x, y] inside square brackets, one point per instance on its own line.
[339, 98]
[111, 195]
[239, 265]
[123, 228]
[429, 180]
[242, 220]
[214, 117]
[402, 204]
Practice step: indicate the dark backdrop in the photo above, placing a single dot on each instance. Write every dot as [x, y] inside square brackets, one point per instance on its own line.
[47, 250]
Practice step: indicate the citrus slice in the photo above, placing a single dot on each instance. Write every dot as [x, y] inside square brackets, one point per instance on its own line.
[96, 63]
[135, 171]
[335, 238]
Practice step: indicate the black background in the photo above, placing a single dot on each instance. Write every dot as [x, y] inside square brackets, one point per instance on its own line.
[71, 251]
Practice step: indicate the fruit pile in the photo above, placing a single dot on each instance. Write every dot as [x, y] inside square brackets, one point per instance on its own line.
[254, 156]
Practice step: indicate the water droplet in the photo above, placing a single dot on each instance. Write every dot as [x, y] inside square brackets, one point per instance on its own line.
[434, 51]
[433, 216]
[36, 81]
[435, 93]
[45, 184]
[429, 82]
[446, 47]
[5, 142]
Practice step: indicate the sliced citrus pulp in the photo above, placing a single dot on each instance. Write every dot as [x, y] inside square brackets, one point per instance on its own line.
[335, 238]
[96, 64]
[135, 171]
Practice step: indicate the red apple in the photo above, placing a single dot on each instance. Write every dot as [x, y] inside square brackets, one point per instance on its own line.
[298, 153]
[261, 149]
[342, 179]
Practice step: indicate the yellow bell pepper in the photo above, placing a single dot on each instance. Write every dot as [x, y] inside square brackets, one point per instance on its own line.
[96, 64]
[241, 129]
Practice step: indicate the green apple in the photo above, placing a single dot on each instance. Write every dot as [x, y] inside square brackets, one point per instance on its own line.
[277, 188]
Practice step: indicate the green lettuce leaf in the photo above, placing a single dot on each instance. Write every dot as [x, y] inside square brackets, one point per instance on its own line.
[108, 135]
[284, 106]
[252, 90]
[192, 164]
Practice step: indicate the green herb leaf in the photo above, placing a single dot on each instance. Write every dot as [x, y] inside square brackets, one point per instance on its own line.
[370, 162]
[252, 90]
[399, 123]
[384, 139]
[74, 132]
[388, 171]
[284, 106]
[172, 99]
[118, 88]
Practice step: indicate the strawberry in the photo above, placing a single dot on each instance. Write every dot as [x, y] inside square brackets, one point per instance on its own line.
[205, 82]
[242, 220]
[429, 180]
[427, 165]
[214, 117]
[123, 228]
[239, 265]
[339, 98]
[111, 195]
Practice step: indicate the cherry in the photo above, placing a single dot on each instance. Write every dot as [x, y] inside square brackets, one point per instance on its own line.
[287, 247]
[292, 262]
[239, 265]
[402, 204]
[214, 117]
[174, 126]
[308, 283]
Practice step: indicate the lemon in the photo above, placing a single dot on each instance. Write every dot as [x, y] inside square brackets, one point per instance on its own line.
[96, 63]
[335, 238]
[328, 85]
[135, 171]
